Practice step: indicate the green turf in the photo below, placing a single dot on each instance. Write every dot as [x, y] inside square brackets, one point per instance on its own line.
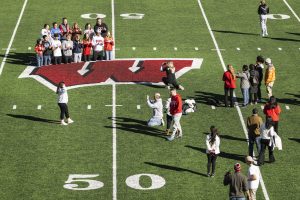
[37, 157]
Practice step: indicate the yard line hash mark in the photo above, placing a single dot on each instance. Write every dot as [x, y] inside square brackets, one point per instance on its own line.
[39, 107]
[138, 107]
[237, 107]
[89, 107]
[14, 107]
[13, 37]
[287, 107]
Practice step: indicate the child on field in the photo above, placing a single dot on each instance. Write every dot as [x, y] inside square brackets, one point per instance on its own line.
[39, 48]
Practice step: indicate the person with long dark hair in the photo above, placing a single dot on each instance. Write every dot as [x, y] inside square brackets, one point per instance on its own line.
[272, 110]
[63, 103]
[212, 150]
[267, 131]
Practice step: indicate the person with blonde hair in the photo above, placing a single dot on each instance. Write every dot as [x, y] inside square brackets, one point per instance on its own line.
[157, 106]
[108, 46]
[170, 79]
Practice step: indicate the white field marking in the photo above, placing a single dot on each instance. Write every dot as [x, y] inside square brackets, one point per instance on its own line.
[83, 70]
[112, 104]
[291, 9]
[5, 49]
[134, 67]
[218, 49]
[113, 30]
[12, 37]
[133, 48]
[213, 107]
[287, 107]
[196, 48]
[279, 49]
[238, 49]
[138, 107]
[89, 107]
[114, 141]
[262, 107]
[39, 107]
[259, 49]
[14, 107]
[175, 48]
[154, 48]
[237, 107]
[197, 62]
[29, 48]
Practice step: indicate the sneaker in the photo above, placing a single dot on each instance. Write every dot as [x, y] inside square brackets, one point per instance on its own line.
[212, 175]
[208, 174]
[70, 121]
[171, 138]
[63, 123]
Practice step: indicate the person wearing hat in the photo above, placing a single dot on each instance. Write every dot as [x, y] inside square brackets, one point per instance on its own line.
[269, 77]
[263, 10]
[157, 106]
[254, 123]
[253, 177]
[212, 150]
[238, 184]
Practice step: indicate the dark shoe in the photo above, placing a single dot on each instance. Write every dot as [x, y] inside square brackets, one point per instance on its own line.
[208, 174]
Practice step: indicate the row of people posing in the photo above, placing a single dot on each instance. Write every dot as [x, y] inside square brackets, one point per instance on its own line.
[51, 51]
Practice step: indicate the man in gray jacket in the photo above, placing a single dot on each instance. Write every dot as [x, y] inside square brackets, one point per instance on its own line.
[157, 106]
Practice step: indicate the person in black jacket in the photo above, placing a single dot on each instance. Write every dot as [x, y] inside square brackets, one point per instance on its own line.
[170, 79]
[254, 80]
[263, 10]
[101, 27]
[260, 68]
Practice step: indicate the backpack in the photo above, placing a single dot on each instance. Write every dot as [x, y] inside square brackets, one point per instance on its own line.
[189, 106]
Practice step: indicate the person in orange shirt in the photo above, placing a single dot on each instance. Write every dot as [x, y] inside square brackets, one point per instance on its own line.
[269, 77]
[272, 110]
[108, 46]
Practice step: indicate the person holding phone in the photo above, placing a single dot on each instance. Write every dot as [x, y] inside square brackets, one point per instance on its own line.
[63, 103]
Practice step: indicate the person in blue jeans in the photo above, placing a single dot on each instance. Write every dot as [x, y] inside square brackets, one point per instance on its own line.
[47, 50]
[245, 84]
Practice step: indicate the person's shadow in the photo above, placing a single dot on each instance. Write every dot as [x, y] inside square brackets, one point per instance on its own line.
[33, 118]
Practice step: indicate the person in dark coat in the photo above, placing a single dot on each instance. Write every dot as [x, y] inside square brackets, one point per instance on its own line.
[254, 80]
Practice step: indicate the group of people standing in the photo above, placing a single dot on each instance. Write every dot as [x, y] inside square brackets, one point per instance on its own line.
[251, 77]
[72, 44]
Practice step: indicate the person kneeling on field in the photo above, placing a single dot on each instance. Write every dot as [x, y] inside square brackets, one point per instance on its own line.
[157, 106]
[170, 80]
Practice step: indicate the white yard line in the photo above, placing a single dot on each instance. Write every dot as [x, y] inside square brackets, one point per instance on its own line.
[291, 9]
[224, 68]
[12, 37]
[113, 27]
[114, 141]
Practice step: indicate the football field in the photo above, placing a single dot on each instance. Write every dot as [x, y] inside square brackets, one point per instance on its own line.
[109, 152]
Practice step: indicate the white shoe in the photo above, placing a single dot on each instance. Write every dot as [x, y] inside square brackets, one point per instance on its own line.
[171, 138]
[63, 123]
[70, 121]
[162, 122]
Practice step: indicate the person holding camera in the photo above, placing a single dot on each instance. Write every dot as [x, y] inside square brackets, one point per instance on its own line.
[170, 79]
[157, 106]
[63, 103]
[212, 150]
[238, 185]
[272, 110]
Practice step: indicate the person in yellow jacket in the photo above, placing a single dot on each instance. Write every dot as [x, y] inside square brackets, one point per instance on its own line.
[269, 77]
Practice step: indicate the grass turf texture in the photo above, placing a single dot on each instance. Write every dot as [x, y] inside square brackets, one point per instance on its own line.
[37, 156]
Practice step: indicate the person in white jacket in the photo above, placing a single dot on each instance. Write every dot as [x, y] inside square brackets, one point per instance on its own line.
[157, 106]
[98, 46]
[267, 132]
[62, 102]
[169, 117]
[212, 150]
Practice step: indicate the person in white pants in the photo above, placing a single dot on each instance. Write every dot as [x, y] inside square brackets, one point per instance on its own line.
[263, 10]
[157, 106]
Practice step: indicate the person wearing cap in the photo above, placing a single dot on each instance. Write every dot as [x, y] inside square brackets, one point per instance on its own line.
[229, 79]
[253, 177]
[212, 150]
[273, 110]
[176, 112]
[263, 10]
[254, 123]
[238, 184]
[157, 106]
[266, 132]
[269, 77]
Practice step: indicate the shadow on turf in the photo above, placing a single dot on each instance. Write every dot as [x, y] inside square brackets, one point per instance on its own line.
[292, 101]
[235, 32]
[32, 118]
[222, 154]
[136, 126]
[20, 58]
[284, 39]
[209, 98]
[295, 139]
[229, 137]
[178, 169]
[293, 33]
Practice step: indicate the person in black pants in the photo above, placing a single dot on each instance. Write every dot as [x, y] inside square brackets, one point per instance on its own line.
[267, 131]
[259, 68]
[63, 103]
[212, 150]
[229, 79]
[169, 117]
[170, 79]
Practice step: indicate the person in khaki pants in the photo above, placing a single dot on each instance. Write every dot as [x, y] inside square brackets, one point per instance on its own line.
[253, 178]
[254, 123]
[269, 77]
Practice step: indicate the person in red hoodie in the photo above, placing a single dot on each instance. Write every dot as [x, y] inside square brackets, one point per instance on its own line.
[39, 49]
[108, 46]
[87, 46]
[229, 79]
[272, 109]
[176, 112]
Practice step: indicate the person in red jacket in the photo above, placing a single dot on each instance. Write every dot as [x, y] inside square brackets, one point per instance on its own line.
[87, 46]
[229, 79]
[176, 112]
[39, 49]
[108, 46]
[272, 109]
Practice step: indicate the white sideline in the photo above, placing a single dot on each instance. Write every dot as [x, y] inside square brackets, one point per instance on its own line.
[238, 108]
[113, 28]
[291, 9]
[114, 131]
[12, 37]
